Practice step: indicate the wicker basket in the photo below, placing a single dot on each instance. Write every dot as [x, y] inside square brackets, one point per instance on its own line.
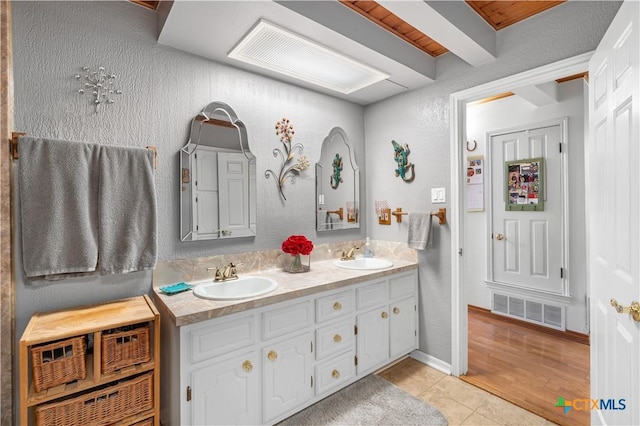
[101, 407]
[145, 422]
[59, 362]
[122, 348]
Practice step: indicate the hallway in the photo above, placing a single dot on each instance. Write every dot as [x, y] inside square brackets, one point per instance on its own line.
[529, 368]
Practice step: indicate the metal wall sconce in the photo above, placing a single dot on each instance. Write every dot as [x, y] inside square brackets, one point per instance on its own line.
[100, 84]
[383, 212]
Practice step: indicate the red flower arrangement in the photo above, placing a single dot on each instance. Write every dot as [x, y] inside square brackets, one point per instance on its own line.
[297, 244]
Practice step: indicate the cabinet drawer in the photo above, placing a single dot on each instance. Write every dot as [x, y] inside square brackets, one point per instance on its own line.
[334, 339]
[279, 322]
[402, 286]
[334, 306]
[334, 372]
[372, 295]
[223, 336]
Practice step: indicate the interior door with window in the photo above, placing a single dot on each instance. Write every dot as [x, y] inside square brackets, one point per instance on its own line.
[614, 231]
[527, 247]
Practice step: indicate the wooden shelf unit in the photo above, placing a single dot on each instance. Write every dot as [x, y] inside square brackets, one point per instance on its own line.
[89, 320]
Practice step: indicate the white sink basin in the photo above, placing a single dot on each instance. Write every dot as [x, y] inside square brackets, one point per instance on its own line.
[364, 263]
[242, 288]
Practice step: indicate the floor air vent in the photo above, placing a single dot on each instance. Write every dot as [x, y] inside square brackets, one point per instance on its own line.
[528, 310]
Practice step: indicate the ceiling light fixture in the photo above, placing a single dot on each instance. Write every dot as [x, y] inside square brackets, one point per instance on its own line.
[276, 49]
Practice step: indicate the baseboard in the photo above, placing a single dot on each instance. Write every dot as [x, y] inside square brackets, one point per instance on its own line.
[431, 361]
[568, 334]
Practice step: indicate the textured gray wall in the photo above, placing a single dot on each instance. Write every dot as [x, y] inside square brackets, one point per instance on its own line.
[163, 89]
[421, 119]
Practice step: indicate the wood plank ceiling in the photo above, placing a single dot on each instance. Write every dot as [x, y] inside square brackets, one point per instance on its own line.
[499, 14]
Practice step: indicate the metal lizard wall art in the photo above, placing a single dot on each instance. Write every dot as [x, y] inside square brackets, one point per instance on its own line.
[405, 169]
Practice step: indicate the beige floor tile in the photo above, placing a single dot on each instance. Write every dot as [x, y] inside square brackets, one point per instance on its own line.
[476, 419]
[455, 412]
[505, 413]
[413, 386]
[457, 390]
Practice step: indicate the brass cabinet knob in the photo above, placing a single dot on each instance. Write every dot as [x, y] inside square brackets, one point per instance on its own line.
[335, 374]
[337, 306]
[247, 366]
[500, 237]
[384, 314]
[396, 310]
[272, 355]
[337, 338]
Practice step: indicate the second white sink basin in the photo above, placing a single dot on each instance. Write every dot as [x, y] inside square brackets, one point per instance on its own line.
[242, 288]
[364, 263]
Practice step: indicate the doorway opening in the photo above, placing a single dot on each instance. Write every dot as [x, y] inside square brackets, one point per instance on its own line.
[461, 228]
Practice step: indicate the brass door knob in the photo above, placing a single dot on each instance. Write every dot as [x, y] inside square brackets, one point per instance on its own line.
[384, 314]
[337, 338]
[335, 374]
[247, 366]
[500, 237]
[272, 355]
[633, 310]
[337, 306]
[396, 310]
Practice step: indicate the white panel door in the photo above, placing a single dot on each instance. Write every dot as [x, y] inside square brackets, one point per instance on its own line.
[528, 246]
[233, 184]
[205, 191]
[614, 234]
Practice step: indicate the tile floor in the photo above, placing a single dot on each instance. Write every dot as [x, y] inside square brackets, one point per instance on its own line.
[460, 402]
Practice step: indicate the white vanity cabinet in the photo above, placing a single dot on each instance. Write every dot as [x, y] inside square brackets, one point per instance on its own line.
[264, 364]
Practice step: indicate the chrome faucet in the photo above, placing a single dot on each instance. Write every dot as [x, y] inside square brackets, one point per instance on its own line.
[349, 253]
[225, 273]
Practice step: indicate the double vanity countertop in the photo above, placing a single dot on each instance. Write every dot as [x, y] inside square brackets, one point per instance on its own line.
[187, 308]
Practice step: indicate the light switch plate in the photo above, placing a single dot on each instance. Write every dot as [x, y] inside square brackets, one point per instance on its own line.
[438, 196]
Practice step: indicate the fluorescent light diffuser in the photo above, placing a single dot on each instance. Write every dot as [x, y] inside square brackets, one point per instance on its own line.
[276, 49]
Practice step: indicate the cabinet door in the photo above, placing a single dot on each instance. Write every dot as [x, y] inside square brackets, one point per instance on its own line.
[287, 375]
[402, 327]
[227, 392]
[373, 338]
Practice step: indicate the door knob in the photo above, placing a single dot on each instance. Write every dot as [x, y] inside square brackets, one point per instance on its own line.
[634, 309]
[500, 237]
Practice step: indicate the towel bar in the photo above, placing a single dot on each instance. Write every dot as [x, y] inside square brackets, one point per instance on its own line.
[16, 156]
[441, 215]
[398, 213]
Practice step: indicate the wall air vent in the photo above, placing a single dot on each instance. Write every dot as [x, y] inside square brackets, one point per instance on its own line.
[528, 310]
[279, 50]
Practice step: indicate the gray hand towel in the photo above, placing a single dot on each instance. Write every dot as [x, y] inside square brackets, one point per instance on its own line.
[419, 235]
[127, 210]
[58, 206]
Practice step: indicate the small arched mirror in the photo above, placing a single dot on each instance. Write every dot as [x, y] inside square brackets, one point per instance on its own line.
[337, 184]
[217, 178]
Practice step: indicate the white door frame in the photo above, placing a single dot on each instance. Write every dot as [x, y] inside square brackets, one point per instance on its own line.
[458, 101]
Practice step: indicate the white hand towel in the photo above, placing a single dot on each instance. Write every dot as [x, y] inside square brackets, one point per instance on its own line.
[419, 235]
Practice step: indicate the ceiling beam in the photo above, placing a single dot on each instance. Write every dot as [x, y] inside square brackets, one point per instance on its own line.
[339, 18]
[540, 94]
[453, 24]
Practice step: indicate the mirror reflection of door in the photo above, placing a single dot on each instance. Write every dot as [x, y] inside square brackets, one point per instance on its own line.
[337, 184]
[528, 247]
[217, 178]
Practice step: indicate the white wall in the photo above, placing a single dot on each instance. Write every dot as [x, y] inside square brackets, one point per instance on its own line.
[421, 119]
[513, 112]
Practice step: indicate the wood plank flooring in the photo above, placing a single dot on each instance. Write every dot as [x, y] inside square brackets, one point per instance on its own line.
[528, 368]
